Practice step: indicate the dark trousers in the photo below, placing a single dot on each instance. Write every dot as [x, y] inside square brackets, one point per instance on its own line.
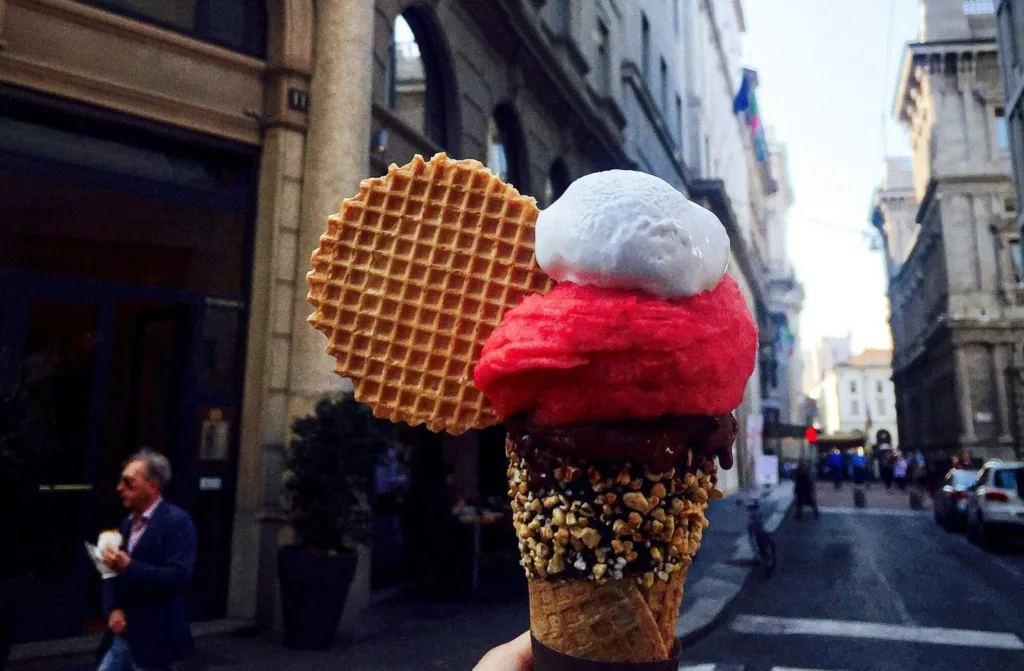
[806, 501]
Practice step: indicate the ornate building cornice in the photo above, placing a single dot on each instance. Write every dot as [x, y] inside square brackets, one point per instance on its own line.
[921, 59]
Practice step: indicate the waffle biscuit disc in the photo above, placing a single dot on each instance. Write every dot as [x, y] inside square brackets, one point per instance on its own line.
[410, 279]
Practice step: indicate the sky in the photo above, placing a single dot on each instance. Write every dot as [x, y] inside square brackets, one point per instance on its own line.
[828, 77]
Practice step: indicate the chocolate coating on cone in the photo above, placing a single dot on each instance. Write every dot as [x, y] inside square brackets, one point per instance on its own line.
[660, 444]
[602, 520]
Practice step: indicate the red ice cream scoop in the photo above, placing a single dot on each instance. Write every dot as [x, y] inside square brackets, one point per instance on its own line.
[587, 354]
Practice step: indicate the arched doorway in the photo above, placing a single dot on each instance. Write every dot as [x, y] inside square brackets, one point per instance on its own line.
[417, 76]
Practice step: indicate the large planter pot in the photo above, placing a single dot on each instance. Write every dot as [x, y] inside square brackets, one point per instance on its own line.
[313, 592]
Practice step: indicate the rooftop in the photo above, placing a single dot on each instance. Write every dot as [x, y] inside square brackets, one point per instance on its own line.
[870, 357]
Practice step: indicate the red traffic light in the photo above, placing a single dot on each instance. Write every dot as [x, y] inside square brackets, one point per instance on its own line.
[811, 434]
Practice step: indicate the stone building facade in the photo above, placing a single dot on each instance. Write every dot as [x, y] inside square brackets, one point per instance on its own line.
[1010, 35]
[785, 296]
[857, 397]
[201, 155]
[955, 306]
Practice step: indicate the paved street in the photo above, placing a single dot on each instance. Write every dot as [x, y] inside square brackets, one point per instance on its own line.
[874, 589]
[875, 495]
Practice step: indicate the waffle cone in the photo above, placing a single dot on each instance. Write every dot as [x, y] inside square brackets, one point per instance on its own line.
[610, 622]
[606, 546]
[410, 279]
[663, 599]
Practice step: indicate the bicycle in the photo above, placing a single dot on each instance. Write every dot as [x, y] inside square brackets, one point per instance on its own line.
[761, 541]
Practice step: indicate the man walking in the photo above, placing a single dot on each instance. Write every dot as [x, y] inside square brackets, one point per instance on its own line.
[145, 602]
[804, 490]
[835, 467]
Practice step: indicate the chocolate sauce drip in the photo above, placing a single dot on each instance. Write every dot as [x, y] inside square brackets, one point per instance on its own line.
[659, 444]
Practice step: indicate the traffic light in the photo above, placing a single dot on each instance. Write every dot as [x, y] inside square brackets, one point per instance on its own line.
[811, 434]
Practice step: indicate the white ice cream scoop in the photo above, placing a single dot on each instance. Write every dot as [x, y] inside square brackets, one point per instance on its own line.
[630, 230]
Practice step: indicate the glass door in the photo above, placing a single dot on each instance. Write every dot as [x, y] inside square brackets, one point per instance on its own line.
[54, 346]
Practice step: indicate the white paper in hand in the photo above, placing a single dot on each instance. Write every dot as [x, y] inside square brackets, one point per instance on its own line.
[111, 539]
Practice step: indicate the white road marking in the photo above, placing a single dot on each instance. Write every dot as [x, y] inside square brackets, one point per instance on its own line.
[885, 512]
[775, 520]
[897, 600]
[714, 667]
[759, 624]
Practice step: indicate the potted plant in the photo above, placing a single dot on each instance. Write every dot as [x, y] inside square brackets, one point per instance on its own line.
[26, 444]
[328, 489]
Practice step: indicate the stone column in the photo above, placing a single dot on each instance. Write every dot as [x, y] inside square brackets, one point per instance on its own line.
[1003, 399]
[337, 159]
[963, 389]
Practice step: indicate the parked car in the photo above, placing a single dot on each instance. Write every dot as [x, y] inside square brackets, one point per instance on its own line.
[995, 508]
[950, 503]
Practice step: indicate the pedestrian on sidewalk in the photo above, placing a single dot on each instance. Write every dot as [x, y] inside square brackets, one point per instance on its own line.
[145, 603]
[885, 467]
[859, 462]
[803, 488]
[899, 472]
[835, 467]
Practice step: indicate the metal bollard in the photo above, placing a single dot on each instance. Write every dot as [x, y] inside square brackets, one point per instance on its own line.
[916, 500]
[859, 498]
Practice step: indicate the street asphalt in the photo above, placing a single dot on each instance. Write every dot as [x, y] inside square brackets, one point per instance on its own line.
[876, 588]
[873, 589]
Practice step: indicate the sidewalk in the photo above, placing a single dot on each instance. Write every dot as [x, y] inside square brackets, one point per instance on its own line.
[725, 560]
[418, 635]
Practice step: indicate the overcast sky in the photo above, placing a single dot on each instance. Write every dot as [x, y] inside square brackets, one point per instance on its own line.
[828, 73]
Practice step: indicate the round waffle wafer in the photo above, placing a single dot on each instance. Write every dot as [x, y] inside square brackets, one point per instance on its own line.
[410, 279]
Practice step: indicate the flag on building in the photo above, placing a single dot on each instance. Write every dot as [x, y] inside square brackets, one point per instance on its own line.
[741, 103]
[784, 341]
[746, 101]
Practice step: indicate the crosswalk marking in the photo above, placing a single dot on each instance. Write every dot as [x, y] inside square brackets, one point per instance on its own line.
[727, 667]
[884, 512]
[760, 624]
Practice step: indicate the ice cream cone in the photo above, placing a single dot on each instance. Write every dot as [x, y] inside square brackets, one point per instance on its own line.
[606, 545]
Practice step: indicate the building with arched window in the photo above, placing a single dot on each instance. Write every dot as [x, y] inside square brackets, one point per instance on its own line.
[166, 167]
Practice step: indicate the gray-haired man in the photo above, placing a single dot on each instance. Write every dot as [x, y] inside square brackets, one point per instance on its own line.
[146, 602]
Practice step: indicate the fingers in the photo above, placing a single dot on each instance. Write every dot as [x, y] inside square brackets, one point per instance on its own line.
[516, 655]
